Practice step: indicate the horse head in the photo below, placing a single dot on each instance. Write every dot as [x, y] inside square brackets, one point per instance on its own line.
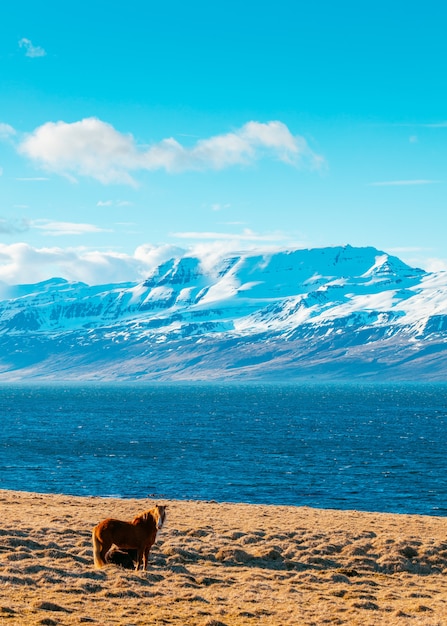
[160, 515]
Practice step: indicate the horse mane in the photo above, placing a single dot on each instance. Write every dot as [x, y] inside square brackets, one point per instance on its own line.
[144, 517]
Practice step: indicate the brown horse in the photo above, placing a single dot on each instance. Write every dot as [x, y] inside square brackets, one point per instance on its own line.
[139, 534]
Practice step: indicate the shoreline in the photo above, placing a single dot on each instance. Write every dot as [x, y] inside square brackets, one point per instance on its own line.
[215, 564]
[153, 497]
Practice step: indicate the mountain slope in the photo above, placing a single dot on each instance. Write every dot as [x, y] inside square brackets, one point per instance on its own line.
[337, 312]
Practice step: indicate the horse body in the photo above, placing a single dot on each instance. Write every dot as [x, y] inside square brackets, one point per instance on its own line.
[140, 534]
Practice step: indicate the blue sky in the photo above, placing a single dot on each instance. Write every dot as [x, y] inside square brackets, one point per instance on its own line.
[131, 131]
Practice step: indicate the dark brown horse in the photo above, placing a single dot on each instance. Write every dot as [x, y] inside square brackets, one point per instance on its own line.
[124, 558]
[139, 534]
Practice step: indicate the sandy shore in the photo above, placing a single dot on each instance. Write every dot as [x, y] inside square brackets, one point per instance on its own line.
[222, 564]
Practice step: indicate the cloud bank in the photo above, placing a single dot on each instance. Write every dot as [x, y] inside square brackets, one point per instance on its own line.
[95, 149]
[21, 263]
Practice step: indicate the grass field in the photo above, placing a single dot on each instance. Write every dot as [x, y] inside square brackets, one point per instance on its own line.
[221, 564]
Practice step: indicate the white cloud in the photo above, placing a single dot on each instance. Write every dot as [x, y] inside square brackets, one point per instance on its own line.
[95, 149]
[6, 131]
[54, 228]
[435, 265]
[399, 183]
[31, 50]
[87, 148]
[21, 263]
[152, 256]
[417, 256]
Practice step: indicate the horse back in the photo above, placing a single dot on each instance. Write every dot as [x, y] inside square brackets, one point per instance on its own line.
[123, 534]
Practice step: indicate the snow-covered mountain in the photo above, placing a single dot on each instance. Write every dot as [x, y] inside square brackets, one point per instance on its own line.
[333, 313]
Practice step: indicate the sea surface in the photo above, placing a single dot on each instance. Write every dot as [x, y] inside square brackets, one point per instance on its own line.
[364, 447]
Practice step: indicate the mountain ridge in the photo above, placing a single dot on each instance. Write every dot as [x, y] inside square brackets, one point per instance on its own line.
[338, 313]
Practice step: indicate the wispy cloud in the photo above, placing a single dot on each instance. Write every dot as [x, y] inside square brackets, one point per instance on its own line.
[418, 256]
[6, 131]
[403, 183]
[31, 50]
[246, 235]
[217, 206]
[435, 265]
[442, 124]
[33, 179]
[55, 229]
[13, 226]
[96, 149]
[118, 203]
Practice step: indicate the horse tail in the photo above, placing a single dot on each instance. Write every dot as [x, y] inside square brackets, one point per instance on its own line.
[97, 547]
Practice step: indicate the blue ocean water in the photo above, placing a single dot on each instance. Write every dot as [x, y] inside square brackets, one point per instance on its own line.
[365, 447]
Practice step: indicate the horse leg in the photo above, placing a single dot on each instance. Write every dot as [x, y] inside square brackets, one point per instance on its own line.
[139, 558]
[146, 556]
[104, 550]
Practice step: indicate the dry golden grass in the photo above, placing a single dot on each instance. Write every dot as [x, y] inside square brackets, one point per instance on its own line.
[222, 564]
